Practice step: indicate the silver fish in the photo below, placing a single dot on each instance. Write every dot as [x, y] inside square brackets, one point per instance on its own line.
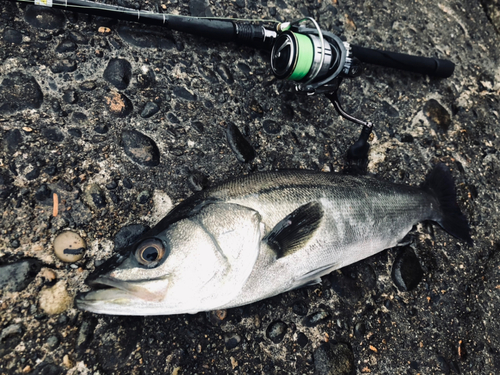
[264, 234]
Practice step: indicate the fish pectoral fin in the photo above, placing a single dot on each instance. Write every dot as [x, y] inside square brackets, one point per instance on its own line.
[314, 277]
[293, 232]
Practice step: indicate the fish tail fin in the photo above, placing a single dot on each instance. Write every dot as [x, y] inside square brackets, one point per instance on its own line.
[439, 182]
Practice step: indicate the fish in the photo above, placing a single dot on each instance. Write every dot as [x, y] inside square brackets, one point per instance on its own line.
[264, 234]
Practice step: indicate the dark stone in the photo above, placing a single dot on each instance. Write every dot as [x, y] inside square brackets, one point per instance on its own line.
[127, 235]
[45, 368]
[88, 86]
[19, 92]
[51, 170]
[85, 334]
[300, 308]
[52, 342]
[232, 341]
[359, 330]
[17, 276]
[302, 339]
[78, 38]
[271, 127]
[333, 359]
[101, 128]
[287, 111]
[208, 74]
[242, 149]
[44, 17]
[127, 183]
[79, 117]
[119, 105]
[12, 36]
[173, 118]
[63, 66]
[406, 270]
[145, 38]
[345, 287]
[33, 174]
[53, 134]
[200, 8]
[183, 93]
[316, 318]
[140, 148]
[11, 140]
[66, 45]
[143, 197]
[43, 193]
[94, 196]
[224, 73]
[75, 132]
[70, 96]
[276, 331]
[150, 109]
[118, 73]
[437, 115]
[112, 185]
[443, 364]
[198, 126]
[389, 109]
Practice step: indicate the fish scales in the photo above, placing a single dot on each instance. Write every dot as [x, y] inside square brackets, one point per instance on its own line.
[260, 235]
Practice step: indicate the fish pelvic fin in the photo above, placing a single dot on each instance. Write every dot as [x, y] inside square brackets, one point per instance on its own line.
[293, 232]
[439, 182]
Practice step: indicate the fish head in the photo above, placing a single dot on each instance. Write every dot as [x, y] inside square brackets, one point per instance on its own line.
[197, 263]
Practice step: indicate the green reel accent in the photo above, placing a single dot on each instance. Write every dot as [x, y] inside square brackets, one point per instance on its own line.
[305, 55]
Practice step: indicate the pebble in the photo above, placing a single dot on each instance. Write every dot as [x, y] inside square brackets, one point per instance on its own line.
[242, 149]
[231, 341]
[333, 359]
[140, 148]
[143, 197]
[101, 128]
[300, 308]
[53, 134]
[52, 342]
[66, 45]
[18, 92]
[63, 66]
[94, 196]
[17, 276]
[287, 111]
[118, 104]
[200, 8]
[70, 96]
[208, 74]
[316, 318]
[437, 115]
[142, 38]
[12, 36]
[69, 246]
[44, 17]
[85, 333]
[198, 126]
[276, 331]
[13, 329]
[406, 270]
[5, 184]
[150, 109]
[67, 362]
[55, 300]
[43, 193]
[216, 317]
[302, 339]
[224, 72]
[183, 93]
[128, 234]
[118, 73]
[12, 140]
[271, 127]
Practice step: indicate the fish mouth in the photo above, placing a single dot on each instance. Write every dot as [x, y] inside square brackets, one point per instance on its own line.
[107, 289]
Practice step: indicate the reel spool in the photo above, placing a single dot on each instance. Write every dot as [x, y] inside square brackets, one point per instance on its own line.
[311, 57]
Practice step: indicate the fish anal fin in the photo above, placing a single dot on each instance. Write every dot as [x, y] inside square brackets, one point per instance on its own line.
[293, 232]
[314, 277]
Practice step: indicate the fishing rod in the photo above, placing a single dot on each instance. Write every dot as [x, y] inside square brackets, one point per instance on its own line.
[314, 59]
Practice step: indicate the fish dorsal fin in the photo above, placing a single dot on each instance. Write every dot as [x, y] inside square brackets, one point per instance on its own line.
[293, 232]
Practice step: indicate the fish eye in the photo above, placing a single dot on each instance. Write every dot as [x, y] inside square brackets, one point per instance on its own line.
[149, 252]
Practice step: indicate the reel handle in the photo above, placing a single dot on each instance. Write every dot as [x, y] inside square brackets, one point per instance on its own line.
[423, 65]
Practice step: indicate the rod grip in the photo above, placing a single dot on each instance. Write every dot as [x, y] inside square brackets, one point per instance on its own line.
[423, 65]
